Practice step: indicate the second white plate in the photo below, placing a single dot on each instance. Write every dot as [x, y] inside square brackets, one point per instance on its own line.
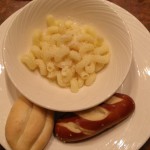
[124, 136]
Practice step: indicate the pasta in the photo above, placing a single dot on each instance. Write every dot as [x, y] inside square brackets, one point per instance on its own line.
[75, 56]
[68, 53]
[60, 80]
[29, 61]
[42, 67]
[80, 82]
[36, 51]
[74, 85]
[90, 68]
[52, 75]
[89, 81]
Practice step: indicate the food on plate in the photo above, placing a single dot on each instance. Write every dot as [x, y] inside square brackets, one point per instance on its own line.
[67, 52]
[28, 126]
[77, 126]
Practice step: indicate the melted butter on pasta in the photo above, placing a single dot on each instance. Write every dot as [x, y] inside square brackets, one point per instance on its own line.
[67, 52]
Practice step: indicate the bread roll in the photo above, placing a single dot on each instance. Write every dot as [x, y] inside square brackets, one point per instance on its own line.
[28, 126]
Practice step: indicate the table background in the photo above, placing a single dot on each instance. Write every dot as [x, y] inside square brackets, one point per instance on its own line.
[139, 8]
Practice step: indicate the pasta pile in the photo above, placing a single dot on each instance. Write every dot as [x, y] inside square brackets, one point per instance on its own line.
[68, 53]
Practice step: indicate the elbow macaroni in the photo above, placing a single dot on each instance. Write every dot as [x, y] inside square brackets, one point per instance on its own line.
[68, 53]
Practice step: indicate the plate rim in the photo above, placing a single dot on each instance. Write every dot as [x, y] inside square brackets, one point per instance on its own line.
[140, 144]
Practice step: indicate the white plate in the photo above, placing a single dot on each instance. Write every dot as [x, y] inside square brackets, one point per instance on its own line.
[130, 134]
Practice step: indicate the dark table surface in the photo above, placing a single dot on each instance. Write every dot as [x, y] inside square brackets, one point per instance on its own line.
[139, 8]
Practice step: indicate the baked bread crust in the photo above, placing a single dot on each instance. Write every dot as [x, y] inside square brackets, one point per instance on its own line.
[28, 126]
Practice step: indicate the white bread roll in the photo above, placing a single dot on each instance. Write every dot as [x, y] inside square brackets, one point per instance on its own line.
[28, 126]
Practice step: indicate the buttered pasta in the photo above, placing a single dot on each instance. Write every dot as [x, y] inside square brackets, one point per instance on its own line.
[67, 52]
